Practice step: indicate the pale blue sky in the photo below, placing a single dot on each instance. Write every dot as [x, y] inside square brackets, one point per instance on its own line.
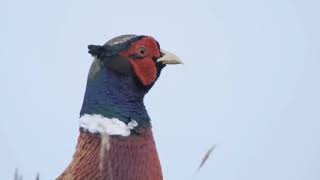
[250, 84]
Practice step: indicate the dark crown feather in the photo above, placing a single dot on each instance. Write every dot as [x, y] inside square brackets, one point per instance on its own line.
[113, 46]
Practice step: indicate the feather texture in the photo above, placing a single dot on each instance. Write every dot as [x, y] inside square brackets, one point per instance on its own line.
[129, 158]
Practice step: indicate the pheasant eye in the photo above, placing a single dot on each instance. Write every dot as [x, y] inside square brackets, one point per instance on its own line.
[142, 51]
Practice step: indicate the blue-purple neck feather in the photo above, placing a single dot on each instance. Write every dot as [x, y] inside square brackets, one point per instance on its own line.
[114, 95]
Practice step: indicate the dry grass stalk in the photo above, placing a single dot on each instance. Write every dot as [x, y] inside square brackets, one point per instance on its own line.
[206, 157]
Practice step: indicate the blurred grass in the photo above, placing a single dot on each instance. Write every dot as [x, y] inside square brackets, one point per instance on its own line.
[18, 176]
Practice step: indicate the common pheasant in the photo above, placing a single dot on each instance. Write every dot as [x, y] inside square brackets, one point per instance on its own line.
[116, 140]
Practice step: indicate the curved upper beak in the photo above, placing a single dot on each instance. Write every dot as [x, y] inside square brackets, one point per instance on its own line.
[169, 58]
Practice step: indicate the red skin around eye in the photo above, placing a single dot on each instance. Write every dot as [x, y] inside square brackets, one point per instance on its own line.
[144, 68]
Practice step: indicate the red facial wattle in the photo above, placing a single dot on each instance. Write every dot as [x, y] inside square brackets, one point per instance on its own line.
[145, 69]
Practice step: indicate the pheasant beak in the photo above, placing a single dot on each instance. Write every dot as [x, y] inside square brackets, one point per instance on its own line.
[169, 58]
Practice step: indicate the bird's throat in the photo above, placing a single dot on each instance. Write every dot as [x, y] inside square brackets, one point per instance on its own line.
[114, 96]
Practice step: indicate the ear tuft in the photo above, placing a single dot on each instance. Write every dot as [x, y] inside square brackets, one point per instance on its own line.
[96, 50]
